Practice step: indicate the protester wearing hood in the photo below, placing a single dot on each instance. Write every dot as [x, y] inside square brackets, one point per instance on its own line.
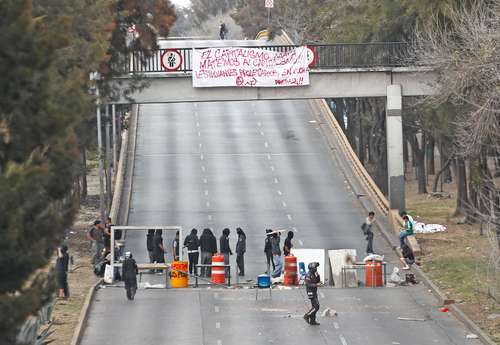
[208, 246]
[241, 248]
[129, 273]
[268, 251]
[287, 247]
[192, 243]
[225, 249]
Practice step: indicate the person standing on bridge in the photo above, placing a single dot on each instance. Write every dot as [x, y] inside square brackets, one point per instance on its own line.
[241, 248]
[192, 243]
[150, 244]
[208, 247]
[312, 281]
[129, 274]
[175, 246]
[223, 31]
[225, 249]
[287, 247]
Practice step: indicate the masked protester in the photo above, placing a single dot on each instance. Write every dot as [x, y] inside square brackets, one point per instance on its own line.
[192, 243]
[129, 273]
[208, 246]
[225, 249]
[312, 281]
[287, 247]
[269, 252]
[241, 248]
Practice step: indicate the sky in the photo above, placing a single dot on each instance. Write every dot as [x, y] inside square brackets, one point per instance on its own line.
[182, 3]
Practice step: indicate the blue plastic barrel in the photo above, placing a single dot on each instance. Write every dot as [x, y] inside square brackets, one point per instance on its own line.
[263, 281]
[302, 270]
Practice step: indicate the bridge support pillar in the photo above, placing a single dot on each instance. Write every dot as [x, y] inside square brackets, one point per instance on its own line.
[394, 138]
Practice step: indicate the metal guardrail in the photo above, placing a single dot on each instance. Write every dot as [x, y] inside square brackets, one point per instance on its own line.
[329, 56]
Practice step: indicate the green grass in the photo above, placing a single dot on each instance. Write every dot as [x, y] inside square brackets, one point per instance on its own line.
[463, 276]
[432, 210]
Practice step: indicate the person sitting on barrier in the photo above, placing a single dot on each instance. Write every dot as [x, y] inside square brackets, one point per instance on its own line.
[208, 247]
[287, 247]
[192, 243]
[241, 248]
[269, 252]
[129, 274]
[407, 231]
[158, 248]
[225, 249]
[278, 261]
[407, 257]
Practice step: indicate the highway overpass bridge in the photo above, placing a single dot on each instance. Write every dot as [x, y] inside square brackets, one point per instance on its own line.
[258, 164]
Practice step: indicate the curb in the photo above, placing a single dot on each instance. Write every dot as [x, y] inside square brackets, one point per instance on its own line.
[84, 313]
[127, 152]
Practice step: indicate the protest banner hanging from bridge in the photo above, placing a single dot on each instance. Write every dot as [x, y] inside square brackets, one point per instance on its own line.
[249, 67]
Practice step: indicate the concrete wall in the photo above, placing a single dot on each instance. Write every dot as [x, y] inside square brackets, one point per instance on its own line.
[323, 84]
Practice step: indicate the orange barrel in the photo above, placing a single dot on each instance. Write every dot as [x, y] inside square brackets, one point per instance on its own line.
[218, 272]
[290, 270]
[373, 274]
[179, 279]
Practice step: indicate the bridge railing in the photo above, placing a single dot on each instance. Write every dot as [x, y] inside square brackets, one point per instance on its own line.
[329, 56]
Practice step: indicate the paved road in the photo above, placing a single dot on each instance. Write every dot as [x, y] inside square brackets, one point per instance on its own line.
[253, 165]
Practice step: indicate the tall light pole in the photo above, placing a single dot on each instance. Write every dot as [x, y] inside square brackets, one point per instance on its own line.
[95, 76]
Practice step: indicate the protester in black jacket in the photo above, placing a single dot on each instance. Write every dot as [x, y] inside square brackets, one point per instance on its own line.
[192, 243]
[241, 248]
[224, 248]
[129, 273]
[269, 252]
[208, 246]
[150, 244]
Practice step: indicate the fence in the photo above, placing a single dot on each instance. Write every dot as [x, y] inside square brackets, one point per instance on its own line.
[329, 56]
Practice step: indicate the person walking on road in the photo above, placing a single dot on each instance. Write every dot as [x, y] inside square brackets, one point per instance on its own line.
[225, 249]
[312, 280]
[241, 248]
[158, 248]
[287, 247]
[175, 246]
[62, 264]
[276, 251]
[150, 244]
[129, 274]
[367, 228]
[269, 252]
[208, 247]
[192, 243]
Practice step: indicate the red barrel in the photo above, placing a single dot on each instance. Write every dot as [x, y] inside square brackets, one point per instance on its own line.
[290, 270]
[373, 274]
[218, 273]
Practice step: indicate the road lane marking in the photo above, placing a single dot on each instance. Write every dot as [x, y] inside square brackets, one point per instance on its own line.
[266, 144]
[217, 325]
[342, 339]
[200, 145]
[261, 133]
[209, 217]
[272, 168]
[199, 133]
[197, 124]
[203, 168]
[289, 217]
[219, 342]
[301, 243]
[205, 180]
[336, 325]
[295, 229]
[208, 203]
[283, 203]
[206, 192]
[269, 156]
[259, 124]
[279, 192]
[201, 156]
[217, 309]
[276, 180]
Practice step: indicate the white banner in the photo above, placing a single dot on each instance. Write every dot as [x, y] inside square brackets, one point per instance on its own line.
[249, 67]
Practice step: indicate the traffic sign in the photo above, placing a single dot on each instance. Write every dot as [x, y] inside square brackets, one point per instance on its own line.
[312, 56]
[269, 3]
[171, 60]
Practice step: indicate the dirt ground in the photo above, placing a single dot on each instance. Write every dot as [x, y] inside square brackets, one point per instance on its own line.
[456, 260]
[81, 278]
